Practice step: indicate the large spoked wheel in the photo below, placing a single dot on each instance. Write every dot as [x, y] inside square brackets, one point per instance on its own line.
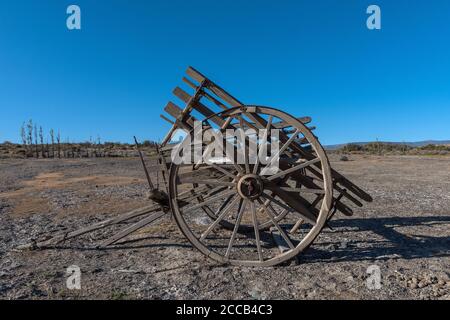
[240, 212]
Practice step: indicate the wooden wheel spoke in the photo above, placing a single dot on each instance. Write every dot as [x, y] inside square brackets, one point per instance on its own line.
[242, 206]
[272, 199]
[284, 147]
[246, 151]
[219, 218]
[272, 216]
[211, 182]
[296, 226]
[223, 205]
[236, 166]
[210, 200]
[303, 190]
[211, 144]
[293, 169]
[255, 225]
[264, 140]
[226, 172]
[299, 208]
[202, 193]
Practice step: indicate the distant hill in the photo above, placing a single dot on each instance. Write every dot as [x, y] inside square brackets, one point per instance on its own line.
[416, 144]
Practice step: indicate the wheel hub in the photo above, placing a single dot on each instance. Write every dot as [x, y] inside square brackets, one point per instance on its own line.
[250, 186]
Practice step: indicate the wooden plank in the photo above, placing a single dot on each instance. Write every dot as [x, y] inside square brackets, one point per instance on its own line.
[221, 93]
[189, 83]
[60, 237]
[197, 105]
[206, 95]
[283, 124]
[175, 111]
[294, 202]
[336, 175]
[166, 119]
[277, 125]
[133, 228]
[194, 74]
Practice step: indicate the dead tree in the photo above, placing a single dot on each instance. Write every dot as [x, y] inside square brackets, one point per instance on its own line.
[36, 141]
[52, 139]
[29, 137]
[41, 140]
[23, 135]
[58, 141]
[47, 148]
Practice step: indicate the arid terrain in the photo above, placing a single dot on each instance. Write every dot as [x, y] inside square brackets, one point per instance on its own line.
[405, 232]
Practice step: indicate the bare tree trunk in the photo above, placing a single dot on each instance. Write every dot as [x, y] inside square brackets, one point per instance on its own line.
[23, 137]
[58, 139]
[36, 141]
[41, 140]
[52, 139]
[30, 138]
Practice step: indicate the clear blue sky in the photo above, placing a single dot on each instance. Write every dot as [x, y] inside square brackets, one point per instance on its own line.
[316, 58]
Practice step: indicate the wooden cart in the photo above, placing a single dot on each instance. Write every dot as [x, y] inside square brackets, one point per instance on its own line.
[238, 212]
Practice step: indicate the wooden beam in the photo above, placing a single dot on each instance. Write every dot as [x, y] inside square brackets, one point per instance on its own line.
[197, 105]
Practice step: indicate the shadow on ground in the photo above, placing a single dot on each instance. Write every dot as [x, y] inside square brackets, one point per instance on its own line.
[394, 244]
[351, 240]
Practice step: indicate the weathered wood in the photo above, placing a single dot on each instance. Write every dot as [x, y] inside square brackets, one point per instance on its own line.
[217, 189]
[183, 95]
[133, 228]
[63, 236]
[176, 112]
[166, 119]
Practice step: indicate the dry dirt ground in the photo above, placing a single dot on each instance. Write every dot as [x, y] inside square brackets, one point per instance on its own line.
[405, 232]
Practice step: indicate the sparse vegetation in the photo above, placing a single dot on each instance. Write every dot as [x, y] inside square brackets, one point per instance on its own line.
[383, 148]
[32, 137]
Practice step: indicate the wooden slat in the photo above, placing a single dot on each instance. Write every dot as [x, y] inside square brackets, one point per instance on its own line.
[221, 93]
[283, 124]
[350, 186]
[175, 111]
[133, 228]
[206, 95]
[277, 125]
[194, 74]
[189, 83]
[204, 110]
[167, 119]
[62, 236]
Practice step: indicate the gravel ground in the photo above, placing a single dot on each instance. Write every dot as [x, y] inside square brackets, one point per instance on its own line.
[405, 232]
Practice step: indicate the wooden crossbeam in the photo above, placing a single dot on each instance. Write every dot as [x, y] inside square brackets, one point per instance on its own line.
[133, 228]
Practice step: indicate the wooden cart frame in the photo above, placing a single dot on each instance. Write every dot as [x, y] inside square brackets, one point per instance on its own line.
[232, 212]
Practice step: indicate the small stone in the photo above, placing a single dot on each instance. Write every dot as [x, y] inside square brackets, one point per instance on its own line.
[344, 244]
[422, 284]
[413, 283]
[255, 294]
